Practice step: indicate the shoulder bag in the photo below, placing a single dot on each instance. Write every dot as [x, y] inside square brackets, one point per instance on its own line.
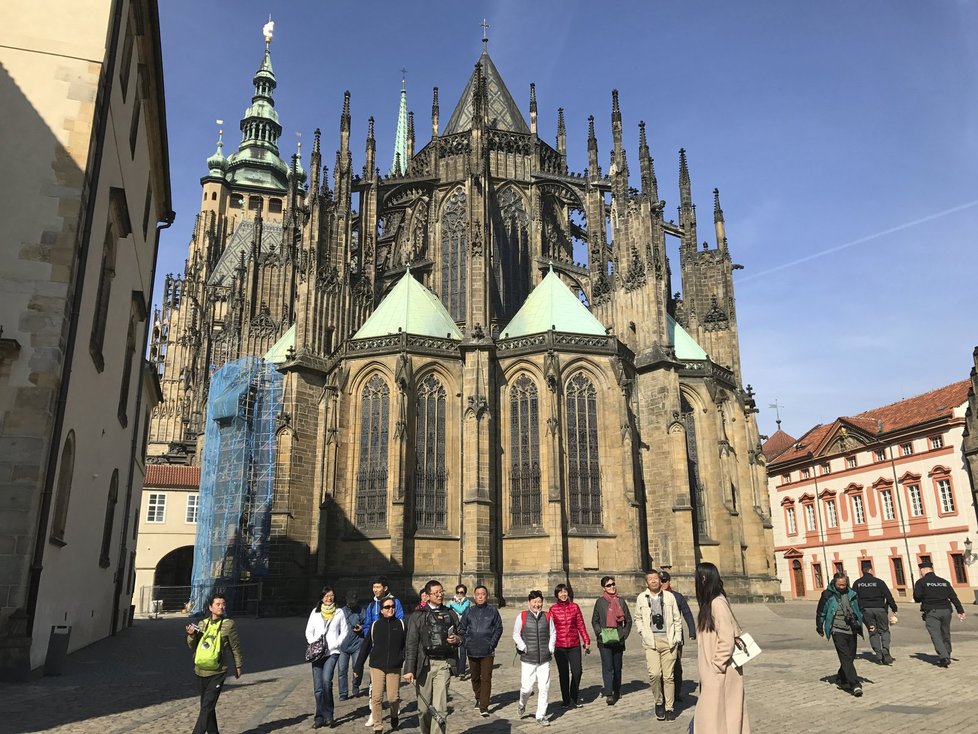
[317, 649]
[745, 649]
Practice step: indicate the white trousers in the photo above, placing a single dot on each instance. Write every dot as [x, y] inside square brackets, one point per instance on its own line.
[539, 674]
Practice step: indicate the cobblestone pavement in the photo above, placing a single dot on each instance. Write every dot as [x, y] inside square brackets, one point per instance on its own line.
[141, 681]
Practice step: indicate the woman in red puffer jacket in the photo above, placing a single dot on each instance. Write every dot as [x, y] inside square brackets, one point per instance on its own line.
[571, 632]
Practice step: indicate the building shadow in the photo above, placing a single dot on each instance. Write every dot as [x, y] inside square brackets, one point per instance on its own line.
[277, 724]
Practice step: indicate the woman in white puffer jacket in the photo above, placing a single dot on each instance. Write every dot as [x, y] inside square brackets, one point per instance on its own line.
[329, 622]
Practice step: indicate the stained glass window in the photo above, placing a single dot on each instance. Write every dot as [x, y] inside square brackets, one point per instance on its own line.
[371, 511]
[697, 497]
[524, 445]
[583, 473]
[430, 487]
[454, 224]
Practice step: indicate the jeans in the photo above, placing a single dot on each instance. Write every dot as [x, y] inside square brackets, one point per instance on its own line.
[611, 669]
[845, 646]
[460, 660]
[569, 671]
[322, 686]
[481, 669]
[343, 666]
[210, 687]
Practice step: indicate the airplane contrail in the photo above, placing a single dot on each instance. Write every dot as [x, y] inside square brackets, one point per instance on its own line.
[853, 243]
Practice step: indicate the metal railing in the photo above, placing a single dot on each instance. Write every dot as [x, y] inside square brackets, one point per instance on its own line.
[242, 599]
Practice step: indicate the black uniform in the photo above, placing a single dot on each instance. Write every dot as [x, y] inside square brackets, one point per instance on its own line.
[874, 599]
[935, 596]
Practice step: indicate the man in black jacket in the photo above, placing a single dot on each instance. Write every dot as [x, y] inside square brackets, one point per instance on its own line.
[430, 655]
[481, 627]
[875, 600]
[677, 671]
[935, 596]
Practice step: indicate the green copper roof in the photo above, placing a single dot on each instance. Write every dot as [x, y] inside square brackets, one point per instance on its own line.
[552, 305]
[217, 164]
[400, 160]
[504, 113]
[411, 308]
[280, 349]
[257, 161]
[685, 346]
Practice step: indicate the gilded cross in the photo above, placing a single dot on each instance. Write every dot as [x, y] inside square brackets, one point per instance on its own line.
[485, 29]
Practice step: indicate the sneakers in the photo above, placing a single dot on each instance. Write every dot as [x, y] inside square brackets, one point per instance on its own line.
[578, 704]
[394, 723]
[370, 721]
[670, 715]
[887, 659]
[660, 712]
[484, 713]
[945, 662]
[477, 703]
[520, 709]
[543, 722]
[857, 691]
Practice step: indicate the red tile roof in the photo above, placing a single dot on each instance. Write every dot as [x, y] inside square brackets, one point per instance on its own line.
[172, 475]
[777, 444]
[933, 405]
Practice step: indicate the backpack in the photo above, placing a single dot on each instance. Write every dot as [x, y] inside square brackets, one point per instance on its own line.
[207, 656]
[435, 629]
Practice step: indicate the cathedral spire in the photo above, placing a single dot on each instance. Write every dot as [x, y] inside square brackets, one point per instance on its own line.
[646, 165]
[592, 148]
[561, 138]
[400, 155]
[370, 155]
[410, 136]
[533, 108]
[434, 112]
[687, 210]
[685, 190]
[718, 222]
[258, 159]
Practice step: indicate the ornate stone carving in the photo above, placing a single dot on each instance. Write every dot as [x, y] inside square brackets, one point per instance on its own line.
[716, 318]
[262, 324]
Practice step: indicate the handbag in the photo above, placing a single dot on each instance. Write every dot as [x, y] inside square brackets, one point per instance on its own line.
[317, 649]
[745, 649]
[610, 636]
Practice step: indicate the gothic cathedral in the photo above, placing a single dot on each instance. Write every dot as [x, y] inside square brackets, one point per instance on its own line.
[487, 376]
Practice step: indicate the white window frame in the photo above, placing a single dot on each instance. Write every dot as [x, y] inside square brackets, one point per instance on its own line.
[880, 455]
[810, 517]
[886, 504]
[936, 442]
[826, 468]
[193, 508]
[851, 462]
[906, 449]
[792, 521]
[831, 516]
[916, 500]
[156, 508]
[946, 495]
[858, 511]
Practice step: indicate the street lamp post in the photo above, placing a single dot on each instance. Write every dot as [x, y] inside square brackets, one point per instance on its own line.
[896, 492]
[818, 516]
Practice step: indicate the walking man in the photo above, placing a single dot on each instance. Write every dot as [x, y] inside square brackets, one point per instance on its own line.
[935, 596]
[535, 637]
[839, 618]
[212, 640]
[481, 628]
[372, 613]
[875, 599]
[687, 615]
[432, 641]
[350, 649]
[660, 626]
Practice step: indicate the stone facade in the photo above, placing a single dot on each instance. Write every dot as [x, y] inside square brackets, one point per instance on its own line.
[517, 460]
[85, 182]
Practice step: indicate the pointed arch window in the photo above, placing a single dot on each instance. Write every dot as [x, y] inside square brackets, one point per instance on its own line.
[371, 511]
[454, 224]
[511, 265]
[583, 472]
[104, 559]
[697, 496]
[65, 471]
[524, 472]
[430, 475]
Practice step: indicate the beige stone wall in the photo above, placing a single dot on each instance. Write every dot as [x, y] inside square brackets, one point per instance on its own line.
[155, 540]
[52, 57]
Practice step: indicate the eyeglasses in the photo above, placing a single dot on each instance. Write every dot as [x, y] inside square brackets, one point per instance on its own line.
[609, 584]
[387, 606]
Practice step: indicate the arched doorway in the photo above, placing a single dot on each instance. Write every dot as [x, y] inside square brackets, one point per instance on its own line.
[175, 568]
[798, 579]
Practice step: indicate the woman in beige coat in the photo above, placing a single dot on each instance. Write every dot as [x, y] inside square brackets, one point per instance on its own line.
[720, 708]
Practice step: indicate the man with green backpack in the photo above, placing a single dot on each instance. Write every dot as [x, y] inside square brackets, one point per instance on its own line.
[210, 639]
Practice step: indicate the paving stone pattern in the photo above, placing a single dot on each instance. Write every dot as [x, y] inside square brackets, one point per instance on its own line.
[141, 681]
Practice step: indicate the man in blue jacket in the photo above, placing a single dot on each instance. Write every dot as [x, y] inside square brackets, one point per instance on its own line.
[372, 612]
[839, 618]
[481, 627]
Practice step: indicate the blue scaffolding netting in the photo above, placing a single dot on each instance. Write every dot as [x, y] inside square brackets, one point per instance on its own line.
[237, 477]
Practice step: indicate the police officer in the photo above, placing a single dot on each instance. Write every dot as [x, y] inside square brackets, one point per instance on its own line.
[936, 596]
[874, 599]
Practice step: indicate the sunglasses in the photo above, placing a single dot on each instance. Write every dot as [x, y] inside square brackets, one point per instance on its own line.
[609, 584]
[387, 606]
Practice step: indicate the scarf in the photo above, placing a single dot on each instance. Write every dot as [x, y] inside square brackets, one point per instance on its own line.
[615, 615]
[328, 610]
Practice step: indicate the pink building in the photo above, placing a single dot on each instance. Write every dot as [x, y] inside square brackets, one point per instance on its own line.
[887, 488]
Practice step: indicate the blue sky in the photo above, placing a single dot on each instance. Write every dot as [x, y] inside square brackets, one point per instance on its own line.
[843, 138]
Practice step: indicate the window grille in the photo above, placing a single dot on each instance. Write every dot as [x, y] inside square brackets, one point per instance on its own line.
[524, 470]
[430, 488]
[583, 473]
[371, 511]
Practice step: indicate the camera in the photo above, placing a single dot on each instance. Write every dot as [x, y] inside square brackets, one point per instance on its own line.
[657, 620]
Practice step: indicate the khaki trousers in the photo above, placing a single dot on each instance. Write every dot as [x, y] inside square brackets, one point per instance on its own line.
[379, 680]
[434, 690]
[660, 663]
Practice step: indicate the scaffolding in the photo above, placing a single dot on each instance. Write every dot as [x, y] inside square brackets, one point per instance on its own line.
[237, 478]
